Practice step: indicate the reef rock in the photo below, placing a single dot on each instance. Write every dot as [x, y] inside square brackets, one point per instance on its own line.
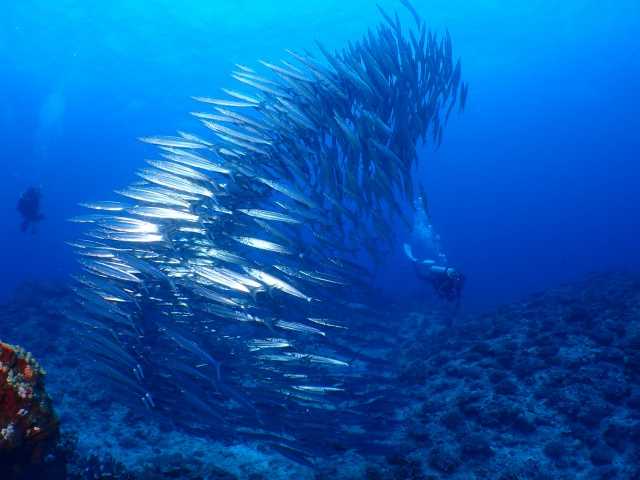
[28, 425]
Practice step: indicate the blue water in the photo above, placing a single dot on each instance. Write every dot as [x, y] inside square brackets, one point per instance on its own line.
[535, 184]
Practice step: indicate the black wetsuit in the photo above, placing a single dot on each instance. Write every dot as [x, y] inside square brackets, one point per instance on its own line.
[29, 208]
[446, 281]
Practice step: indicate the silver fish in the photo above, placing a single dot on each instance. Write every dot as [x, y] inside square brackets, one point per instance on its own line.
[172, 142]
[164, 213]
[268, 215]
[262, 244]
[175, 183]
[274, 282]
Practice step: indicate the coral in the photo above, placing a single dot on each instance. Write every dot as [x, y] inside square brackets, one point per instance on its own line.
[444, 459]
[28, 426]
[566, 421]
[558, 396]
[555, 449]
[476, 445]
[601, 455]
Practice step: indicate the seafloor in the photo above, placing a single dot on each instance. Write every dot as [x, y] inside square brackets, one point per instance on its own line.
[545, 388]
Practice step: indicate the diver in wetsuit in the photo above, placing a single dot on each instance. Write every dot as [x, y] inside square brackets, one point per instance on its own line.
[446, 281]
[29, 208]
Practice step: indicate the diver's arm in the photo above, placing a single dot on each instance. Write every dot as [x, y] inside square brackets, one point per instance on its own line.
[409, 252]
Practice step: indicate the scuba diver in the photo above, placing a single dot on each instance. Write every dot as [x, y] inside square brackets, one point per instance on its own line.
[429, 260]
[29, 208]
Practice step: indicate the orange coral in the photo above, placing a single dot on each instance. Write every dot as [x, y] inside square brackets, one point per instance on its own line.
[27, 422]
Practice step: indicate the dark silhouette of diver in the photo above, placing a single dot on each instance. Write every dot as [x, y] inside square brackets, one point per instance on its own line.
[446, 281]
[29, 208]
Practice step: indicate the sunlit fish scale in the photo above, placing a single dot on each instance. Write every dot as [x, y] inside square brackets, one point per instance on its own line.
[195, 230]
[277, 357]
[266, 343]
[285, 72]
[195, 161]
[325, 322]
[112, 298]
[215, 276]
[239, 143]
[244, 68]
[241, 118]
[129, 225]
[262, 245]
[164, 213]
[95, 253]
[243, 316]
[326, 360]
[147, 267]
[225, 256]
[241, 96]
[124, 266]
[175, 142]
[274, 282]
[225, 152]
[305, 357]
[194, 138]
[258, 78]
[150, 195]
[126, 237]
[247, 80]
[219, 209]
[103, 287]
[234, 133]
[87, 244]
[291, 272]
[180, 170]
[298, 327]
[225, 103]
[298, 197]
[238, 277]
[174, 182]
[106, 206]
[323, 278]
[247, 171]
[317, 389]
[215, 117]
[90, 218]
[214, 296]
[90, 244]
[108, 270]
[268, 215]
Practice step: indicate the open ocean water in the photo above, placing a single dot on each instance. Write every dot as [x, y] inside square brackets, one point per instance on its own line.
[309, 356]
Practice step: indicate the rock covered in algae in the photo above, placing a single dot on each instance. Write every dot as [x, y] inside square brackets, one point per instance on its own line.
[28, 425]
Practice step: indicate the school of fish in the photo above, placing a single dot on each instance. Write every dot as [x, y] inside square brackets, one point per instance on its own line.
[228, 291]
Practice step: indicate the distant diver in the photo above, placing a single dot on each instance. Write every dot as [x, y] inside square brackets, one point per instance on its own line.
[29, 208]
[446, 281]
